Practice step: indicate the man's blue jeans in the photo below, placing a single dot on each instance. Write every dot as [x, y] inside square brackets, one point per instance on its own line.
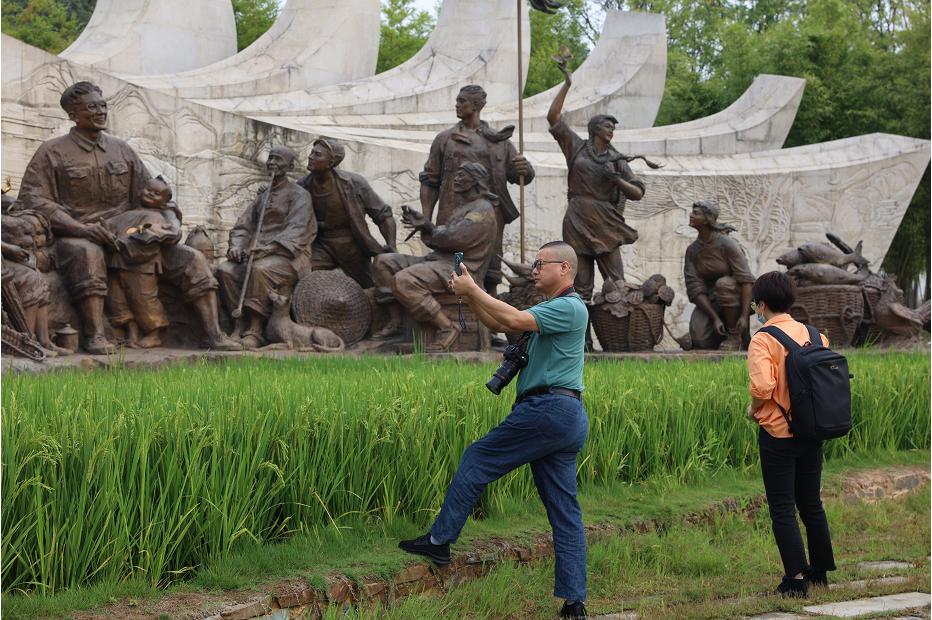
[547, 431]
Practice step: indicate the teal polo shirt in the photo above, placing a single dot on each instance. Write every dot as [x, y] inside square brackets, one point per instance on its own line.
[557, 350]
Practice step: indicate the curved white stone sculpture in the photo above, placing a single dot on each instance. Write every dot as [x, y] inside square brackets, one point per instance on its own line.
[624, 76]
[759, 120]
[313, 43]
[858, 188]
[155, 36]
[475, 42]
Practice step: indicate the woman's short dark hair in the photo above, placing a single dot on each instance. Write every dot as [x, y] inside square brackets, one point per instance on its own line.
[597, 120]
[776, 289]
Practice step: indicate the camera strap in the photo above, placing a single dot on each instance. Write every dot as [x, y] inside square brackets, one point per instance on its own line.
[569, 290]
[459, 314]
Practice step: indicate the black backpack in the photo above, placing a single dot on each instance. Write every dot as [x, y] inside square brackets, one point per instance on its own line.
[820, 387]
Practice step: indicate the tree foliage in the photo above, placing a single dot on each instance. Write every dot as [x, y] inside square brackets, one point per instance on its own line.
[253, 18]
[47, 24]
[548, 34]
[404, 31]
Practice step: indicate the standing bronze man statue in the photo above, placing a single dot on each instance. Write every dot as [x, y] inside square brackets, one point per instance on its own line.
[472, 140]
[277, 230]
[87, 176]
[341, 200]
[599, 182]
[718, 281]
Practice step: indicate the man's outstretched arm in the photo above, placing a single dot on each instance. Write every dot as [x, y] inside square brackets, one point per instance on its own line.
[494, 313]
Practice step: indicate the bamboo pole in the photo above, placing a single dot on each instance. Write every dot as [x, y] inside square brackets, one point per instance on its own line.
[521, 123]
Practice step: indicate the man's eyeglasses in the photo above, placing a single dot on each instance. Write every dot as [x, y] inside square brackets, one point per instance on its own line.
[536, 265]
[96, 107]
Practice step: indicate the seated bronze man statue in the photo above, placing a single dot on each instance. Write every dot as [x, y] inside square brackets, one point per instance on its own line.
[277, 229]
[415, 281]
[82, 179]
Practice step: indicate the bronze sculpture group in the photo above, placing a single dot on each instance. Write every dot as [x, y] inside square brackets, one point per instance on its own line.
[93, 236]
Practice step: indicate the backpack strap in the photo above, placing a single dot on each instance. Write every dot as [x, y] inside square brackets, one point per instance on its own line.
[815, 338]
[790, 344]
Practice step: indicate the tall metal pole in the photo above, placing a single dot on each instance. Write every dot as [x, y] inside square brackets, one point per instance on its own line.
[521, 121]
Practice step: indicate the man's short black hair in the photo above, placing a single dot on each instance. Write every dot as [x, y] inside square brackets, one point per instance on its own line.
[73, 94]
[776, 289]
[474, 93]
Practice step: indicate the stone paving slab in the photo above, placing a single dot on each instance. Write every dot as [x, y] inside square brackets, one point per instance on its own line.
[778, 615]
[863, 583]
[877, 604]
[884, 565]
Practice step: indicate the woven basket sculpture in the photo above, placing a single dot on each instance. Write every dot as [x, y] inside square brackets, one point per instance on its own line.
[641, 330]
[333, 300]
[835, 309]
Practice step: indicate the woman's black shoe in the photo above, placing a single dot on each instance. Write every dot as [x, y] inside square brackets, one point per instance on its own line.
[816, 577]
[575, 610]
[793, 588]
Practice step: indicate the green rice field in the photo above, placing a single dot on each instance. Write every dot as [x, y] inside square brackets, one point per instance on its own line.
[136, 473]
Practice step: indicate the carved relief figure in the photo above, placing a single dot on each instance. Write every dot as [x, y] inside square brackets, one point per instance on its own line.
[718, 282]
[472, 140]
[416, 280]
[84, 178]
[599, 182]
[277, 230]
[341, 200]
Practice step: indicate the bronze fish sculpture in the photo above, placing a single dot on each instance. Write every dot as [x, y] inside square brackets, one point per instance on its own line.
[814, 274]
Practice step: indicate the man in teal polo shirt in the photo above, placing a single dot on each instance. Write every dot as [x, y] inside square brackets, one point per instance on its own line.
[546, 428]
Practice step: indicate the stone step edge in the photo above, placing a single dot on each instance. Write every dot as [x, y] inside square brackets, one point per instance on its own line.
[476, 563]
[310, 602]
[426, 577]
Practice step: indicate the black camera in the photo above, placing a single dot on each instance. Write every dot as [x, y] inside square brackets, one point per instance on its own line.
[513, 359]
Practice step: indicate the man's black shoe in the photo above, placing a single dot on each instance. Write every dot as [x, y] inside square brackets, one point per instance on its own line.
[439, 554]
[575, 610]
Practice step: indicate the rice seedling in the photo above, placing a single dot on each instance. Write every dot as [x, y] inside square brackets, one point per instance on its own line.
[148, 474]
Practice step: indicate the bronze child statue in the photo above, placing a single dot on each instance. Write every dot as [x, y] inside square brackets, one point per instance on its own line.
[19, 269]
[136, 264]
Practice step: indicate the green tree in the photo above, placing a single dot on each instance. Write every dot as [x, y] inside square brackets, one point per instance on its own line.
[43, 23]
[548, 33]
[253, 19]
[404, 31]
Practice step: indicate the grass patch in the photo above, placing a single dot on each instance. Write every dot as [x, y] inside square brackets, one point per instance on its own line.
[360, 549]
[154, 475]
[723, 569]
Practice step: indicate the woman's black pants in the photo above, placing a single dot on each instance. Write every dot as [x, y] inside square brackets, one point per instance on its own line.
[792, 471]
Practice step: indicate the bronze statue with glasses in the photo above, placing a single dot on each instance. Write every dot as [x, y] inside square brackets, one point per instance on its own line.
[86, 177]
